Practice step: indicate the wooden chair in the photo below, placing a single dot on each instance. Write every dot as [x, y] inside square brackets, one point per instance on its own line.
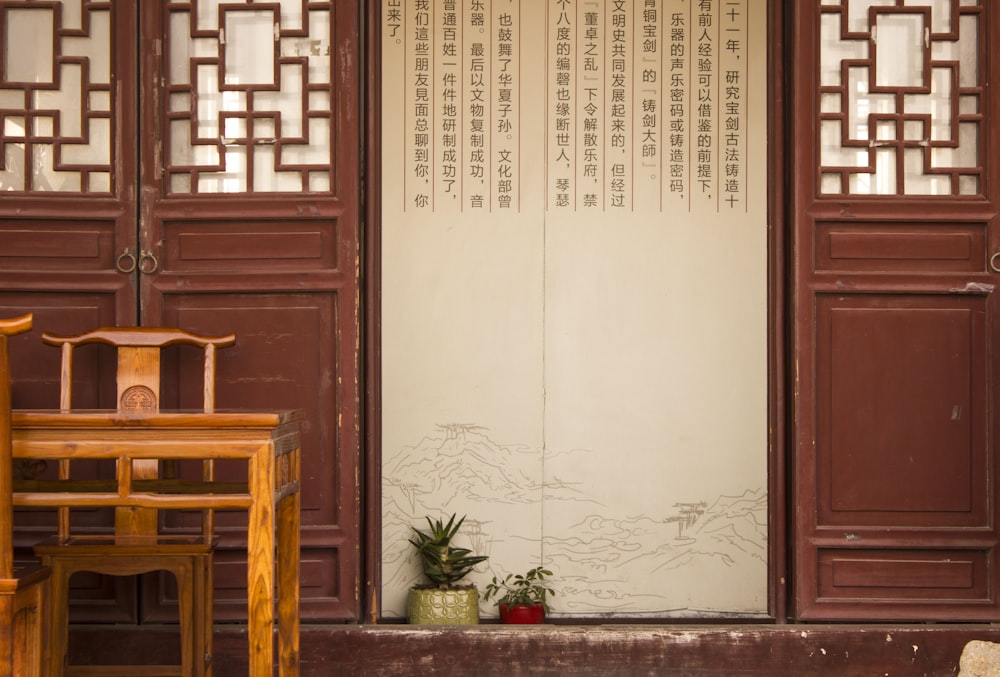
[138, 544]
[23, 590]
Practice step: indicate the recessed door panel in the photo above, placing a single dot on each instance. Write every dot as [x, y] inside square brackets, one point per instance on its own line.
[901, 397]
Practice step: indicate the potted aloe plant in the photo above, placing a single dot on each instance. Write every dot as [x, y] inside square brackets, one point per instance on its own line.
[522, 598]
[443, 600]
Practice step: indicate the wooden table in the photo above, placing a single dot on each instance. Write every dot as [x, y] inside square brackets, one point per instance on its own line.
[268, 441]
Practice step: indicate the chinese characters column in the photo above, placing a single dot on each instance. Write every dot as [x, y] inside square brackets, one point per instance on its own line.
[561, 104]
[506, 104]
[461, 102]
[733, 67]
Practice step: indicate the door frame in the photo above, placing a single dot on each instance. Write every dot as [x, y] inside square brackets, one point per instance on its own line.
[371, 317]
[780, 105]
[777, 307]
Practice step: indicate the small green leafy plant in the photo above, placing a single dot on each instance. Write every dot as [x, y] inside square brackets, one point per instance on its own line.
[443, 564]
[529, 588]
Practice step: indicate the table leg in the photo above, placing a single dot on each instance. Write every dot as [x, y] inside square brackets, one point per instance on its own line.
[288, 584]
[260, 563]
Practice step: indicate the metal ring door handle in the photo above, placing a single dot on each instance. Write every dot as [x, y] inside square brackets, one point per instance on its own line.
[126, 262]
[147, 263]
[995, 261]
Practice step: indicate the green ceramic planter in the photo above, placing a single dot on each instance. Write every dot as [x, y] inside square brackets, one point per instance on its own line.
[437, 606]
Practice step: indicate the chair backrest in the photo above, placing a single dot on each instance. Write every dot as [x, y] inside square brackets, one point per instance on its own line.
[138, 393]
[8, 327]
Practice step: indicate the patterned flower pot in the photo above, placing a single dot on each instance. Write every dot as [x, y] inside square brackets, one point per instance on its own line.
[442, 606]
[522, 613]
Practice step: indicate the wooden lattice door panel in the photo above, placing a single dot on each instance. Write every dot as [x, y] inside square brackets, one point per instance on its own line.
[898, 121]
[254, 225]
[225, 197]
[894, 225]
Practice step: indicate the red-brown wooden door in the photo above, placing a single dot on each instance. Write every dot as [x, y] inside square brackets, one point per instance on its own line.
[194, 164]
[894, 219]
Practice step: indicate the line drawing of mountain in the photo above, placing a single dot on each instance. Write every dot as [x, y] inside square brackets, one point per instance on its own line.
[605, 557]
[462, 461]
[606, 564]
[465, 462]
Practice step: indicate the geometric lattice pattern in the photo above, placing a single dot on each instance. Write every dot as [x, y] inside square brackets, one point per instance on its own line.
[247, 98]
[55, 96]
[901, 97]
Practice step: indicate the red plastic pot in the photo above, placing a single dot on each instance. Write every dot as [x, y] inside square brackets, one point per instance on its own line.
[522, 613]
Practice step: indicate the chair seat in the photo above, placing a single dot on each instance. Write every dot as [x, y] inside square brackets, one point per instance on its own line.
[27, 575]
[167, 544]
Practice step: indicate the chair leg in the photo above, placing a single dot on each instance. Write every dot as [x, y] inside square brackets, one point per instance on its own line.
[8, 646]
[58, 616]
[209, 596]
[195, 600]
[28, 630]
[203, 601]
[185, 607]
[42, 619]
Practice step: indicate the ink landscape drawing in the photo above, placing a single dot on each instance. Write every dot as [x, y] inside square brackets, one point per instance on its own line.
[683, 556]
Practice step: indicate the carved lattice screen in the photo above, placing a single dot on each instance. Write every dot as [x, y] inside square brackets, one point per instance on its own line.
[248, 97]
[901, 97]
[56, 97]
